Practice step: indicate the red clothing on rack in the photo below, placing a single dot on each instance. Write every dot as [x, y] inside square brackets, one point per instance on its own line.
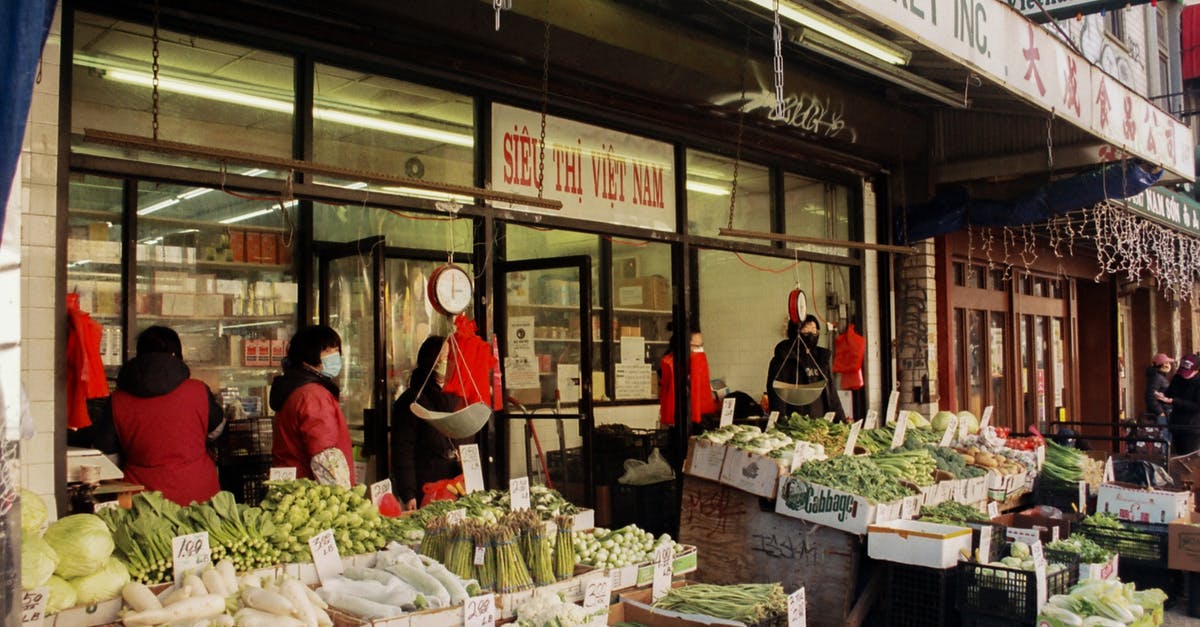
[85, 371]
[703, 401]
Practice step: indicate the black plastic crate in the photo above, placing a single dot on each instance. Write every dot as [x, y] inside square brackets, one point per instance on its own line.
[651, 507]
[971, 619]
[614, 443]
[1145, 575]
[1064, 496]
[1007, 593]
[244, 438]
[1134, 541]
[244, 477]
[920, 597]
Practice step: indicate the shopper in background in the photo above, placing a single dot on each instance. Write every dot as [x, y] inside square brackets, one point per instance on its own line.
[803, 362]
[421, 454]
[310, 432]
[1157, 380]
[1183, 397]
[702, 397]
[163, 420]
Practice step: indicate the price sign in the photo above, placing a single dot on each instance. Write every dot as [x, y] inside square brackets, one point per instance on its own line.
[380, 488]
[1109, 474]
[1041, 456]
[829, 416]
[113, 504]
[948, 435]
[797, 609]
[287, 473]
[518, 493]
[962, 429]
[190, 554]
[597, 591]
[33, 606]
[1039, 573]
[1028, 536]
[901, 429]
[797, 461]
[1081, 505]
[472, 467]
[614, 578]
[985, 543]
[772, 418]
[993, 510]
[1037, 553]
[325, 555]
[872, 419]
[480, 611]
[892, 406]
[852, 439]
[986, 419]
[663, 557]
[480, 554]
[727, 411]
[456, 516]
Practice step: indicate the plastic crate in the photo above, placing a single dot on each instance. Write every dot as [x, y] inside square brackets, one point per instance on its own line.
[244, 438]
[920, 597]
[614, 443]
[651, 507]
[244, 477]
[1134, 541]
[1064, 496]
[1009, 595]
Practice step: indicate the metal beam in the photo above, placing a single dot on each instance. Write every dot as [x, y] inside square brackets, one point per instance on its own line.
[1012, 166]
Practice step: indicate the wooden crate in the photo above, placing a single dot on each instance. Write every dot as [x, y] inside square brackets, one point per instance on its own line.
[739, 542]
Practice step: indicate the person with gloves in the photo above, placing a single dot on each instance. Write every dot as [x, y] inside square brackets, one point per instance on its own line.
[803, 361]
[420, 453]
[164, 419]
[310, 432]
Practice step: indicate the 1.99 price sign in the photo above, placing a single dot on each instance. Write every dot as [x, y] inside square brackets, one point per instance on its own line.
[191, 554]
[480, 611]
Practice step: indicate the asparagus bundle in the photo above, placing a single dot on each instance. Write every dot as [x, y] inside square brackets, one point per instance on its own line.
[434, 543]
[485, 573]
[511, 573]
[460, 551]
[564, 548]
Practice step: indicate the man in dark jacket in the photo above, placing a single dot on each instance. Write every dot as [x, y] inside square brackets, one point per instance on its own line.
[420, 453]
[803, 361]
[1183, 397]
[1157, 381]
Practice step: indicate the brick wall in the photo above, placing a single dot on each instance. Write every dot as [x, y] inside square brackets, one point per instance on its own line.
[916, 329]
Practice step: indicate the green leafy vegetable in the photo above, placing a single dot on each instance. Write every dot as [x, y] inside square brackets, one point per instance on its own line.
[103, 584]
[62, 595]
[33, 513]
[82, 542]
[38, 562]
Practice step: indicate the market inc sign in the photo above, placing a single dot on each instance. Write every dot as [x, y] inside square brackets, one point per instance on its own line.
[1064, 9]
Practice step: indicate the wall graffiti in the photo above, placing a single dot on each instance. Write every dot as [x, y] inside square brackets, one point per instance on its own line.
[1108, 54]
[808, 112]
[912, 342]
[787, 548]
[712, 507]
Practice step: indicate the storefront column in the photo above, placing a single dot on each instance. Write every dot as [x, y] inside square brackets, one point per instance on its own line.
[916, 329]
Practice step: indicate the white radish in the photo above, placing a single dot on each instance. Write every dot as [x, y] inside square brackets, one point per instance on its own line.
[294, 591]
[222, 620]
[203, 606]
[215, 582]
[193, 583]
[139, 597]
[250, 580]
[268, 601]
[179, 594]
[250, 617]
[323, 619]
[229, 574]
[315, 599]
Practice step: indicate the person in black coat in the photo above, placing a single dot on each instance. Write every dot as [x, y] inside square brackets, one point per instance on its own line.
[1183, 397]
[1157, 381]
[420, 453]
[805, 362]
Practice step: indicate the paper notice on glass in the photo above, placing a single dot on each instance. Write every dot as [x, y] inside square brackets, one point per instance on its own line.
[521, 373]
[568, 383]
[633, 350]
[633, 381]
[287, 292]
[520, 337]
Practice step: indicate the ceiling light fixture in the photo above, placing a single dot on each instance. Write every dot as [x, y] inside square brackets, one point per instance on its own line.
[841, 52]
[707, 188]
[831, 27]
[337, 116]
[254, 214]
[429, 195]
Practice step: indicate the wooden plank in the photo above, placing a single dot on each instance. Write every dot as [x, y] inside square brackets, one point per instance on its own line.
[739, 542]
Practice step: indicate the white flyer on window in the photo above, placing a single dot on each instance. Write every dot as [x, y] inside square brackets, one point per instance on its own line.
[568, 383]
[633, 380]
[633, 350]
[521, 373]
[520, 337]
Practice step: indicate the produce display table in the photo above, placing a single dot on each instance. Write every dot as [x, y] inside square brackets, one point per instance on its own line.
[741, 542]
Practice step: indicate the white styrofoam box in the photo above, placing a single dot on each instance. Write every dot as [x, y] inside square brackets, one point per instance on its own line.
[1135, 504]
[918, 543]
[1107, 570]
[751, 472]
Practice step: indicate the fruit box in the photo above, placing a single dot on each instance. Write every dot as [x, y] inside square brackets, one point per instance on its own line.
[635, 608]
[918, 543]
[1137, 504]
[750, 472]
[1183, 543]
[704, 459]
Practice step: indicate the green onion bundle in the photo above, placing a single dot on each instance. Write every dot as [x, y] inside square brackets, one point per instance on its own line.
[748, 603]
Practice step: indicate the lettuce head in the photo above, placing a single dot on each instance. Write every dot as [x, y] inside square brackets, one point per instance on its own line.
[38, 562]
[82, 542]
[33, 513]
[102, 585]
[62, 595]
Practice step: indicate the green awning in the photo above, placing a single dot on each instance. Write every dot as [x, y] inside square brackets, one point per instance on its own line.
[1178, 211]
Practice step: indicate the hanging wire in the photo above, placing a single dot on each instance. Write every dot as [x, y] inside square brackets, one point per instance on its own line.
[737, 154]
[154, 75]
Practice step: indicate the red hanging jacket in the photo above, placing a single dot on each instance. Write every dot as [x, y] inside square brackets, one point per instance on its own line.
[85, 372]
[702, 396]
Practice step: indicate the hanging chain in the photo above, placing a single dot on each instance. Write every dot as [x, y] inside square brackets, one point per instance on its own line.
[545, 98]
[1049, 142]
[737, 155]
[778, 37]
[154, 73]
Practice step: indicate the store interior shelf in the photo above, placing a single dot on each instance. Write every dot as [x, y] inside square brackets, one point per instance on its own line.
[105, 216]
[653, 312]
[565, 340]
[176, 222]
[240, 266]
[232, 319]
[541, 307]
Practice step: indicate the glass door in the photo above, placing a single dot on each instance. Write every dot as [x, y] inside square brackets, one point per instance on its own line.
[352, 295]
[546, 330]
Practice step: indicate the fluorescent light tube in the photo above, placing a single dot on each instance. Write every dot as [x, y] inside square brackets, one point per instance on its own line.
[430, 195]
[254, 214]
[158, 206]
[827, 25]
[707, 188]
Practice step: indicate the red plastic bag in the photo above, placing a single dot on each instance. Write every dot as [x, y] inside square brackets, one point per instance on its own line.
[469, 371]
[849, 349]
[444, 490]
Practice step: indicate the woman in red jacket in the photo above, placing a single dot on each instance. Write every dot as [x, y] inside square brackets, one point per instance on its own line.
[310, 432]
[163, 419]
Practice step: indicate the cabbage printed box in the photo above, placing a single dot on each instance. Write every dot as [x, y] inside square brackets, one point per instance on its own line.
[826, 506]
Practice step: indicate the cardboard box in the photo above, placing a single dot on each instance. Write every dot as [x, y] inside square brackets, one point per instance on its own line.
[833, 508]
[1106, 571]
[253, 246]
[975, 490]
[648, 292]
[751, 472]
[704, 459]
[918, 543]
[1135, 504]
[255, 352]
[268, 251]
[635, 607]
[182, 305]
[1048, 529]
[1183, 543]
[278, 351]
[283, 252]
[237, 244]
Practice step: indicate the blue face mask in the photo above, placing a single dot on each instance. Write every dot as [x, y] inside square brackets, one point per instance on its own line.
[331, 365]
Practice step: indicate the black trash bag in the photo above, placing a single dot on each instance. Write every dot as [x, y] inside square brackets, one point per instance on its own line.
[1142, 473]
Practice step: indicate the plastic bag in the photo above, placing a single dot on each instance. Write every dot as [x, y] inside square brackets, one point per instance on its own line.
[444, 490]
[654, 470]
[1141, 472]
[849, 349]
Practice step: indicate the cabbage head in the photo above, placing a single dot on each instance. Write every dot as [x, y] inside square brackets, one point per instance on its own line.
[33, 513]
[62, 595]
[38, 562]
[102, 585]
[82, 542]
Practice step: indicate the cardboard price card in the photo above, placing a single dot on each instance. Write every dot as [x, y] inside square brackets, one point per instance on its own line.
[378, 489]
[472, 467]
[901, 429]
[33, 606]
[872, 419]
[277, 473]
[892, 407]
[772, 418]
[797, 609]
[985, 543]
[948, 435]
[727, 411]
[456, 516]
[480, 611]
[518, 493]
[191, 554]
[597, 592]
[325, 555]
[986, 418]
[663, 558]
[853, 437]
[829, 416]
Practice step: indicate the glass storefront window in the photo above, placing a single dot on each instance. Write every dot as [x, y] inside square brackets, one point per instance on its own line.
[94, 259]
[813, 208]
[212, 93]
[709, 186]
[369, 122]
[641, 315]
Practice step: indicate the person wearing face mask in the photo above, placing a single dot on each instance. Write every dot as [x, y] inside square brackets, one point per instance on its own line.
[420, 453]
[803, 362]
[310, 432]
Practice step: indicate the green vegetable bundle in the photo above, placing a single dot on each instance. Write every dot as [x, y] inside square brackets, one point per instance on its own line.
[748, 603]
[1089, 552]
[951, 461]
[915, 466]
[564, 548]
[1063, 464]
[952, 513]
[303, 508]
[831, 435]
[856, 475]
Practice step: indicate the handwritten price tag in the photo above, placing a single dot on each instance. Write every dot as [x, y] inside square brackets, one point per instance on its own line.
[597, 592]
[325, 555]
[772, 418]
[829, 416]
[985, 543]
[106, 505]
[1041, 456]
[472, 467]
[727, 411]
[456, 516]
[380, 488]
[480, 611]
[1109, 474]
[282, 474]
[797, 609]
[993, 510]
[986, 419]
[663, 557]
[852, 439]
[893, 404]
[190, 554]
[1037, 553]
[901, 429]
[33, 606]
[872, 419]
[948, 435]
[518, 493]
[480, 554]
